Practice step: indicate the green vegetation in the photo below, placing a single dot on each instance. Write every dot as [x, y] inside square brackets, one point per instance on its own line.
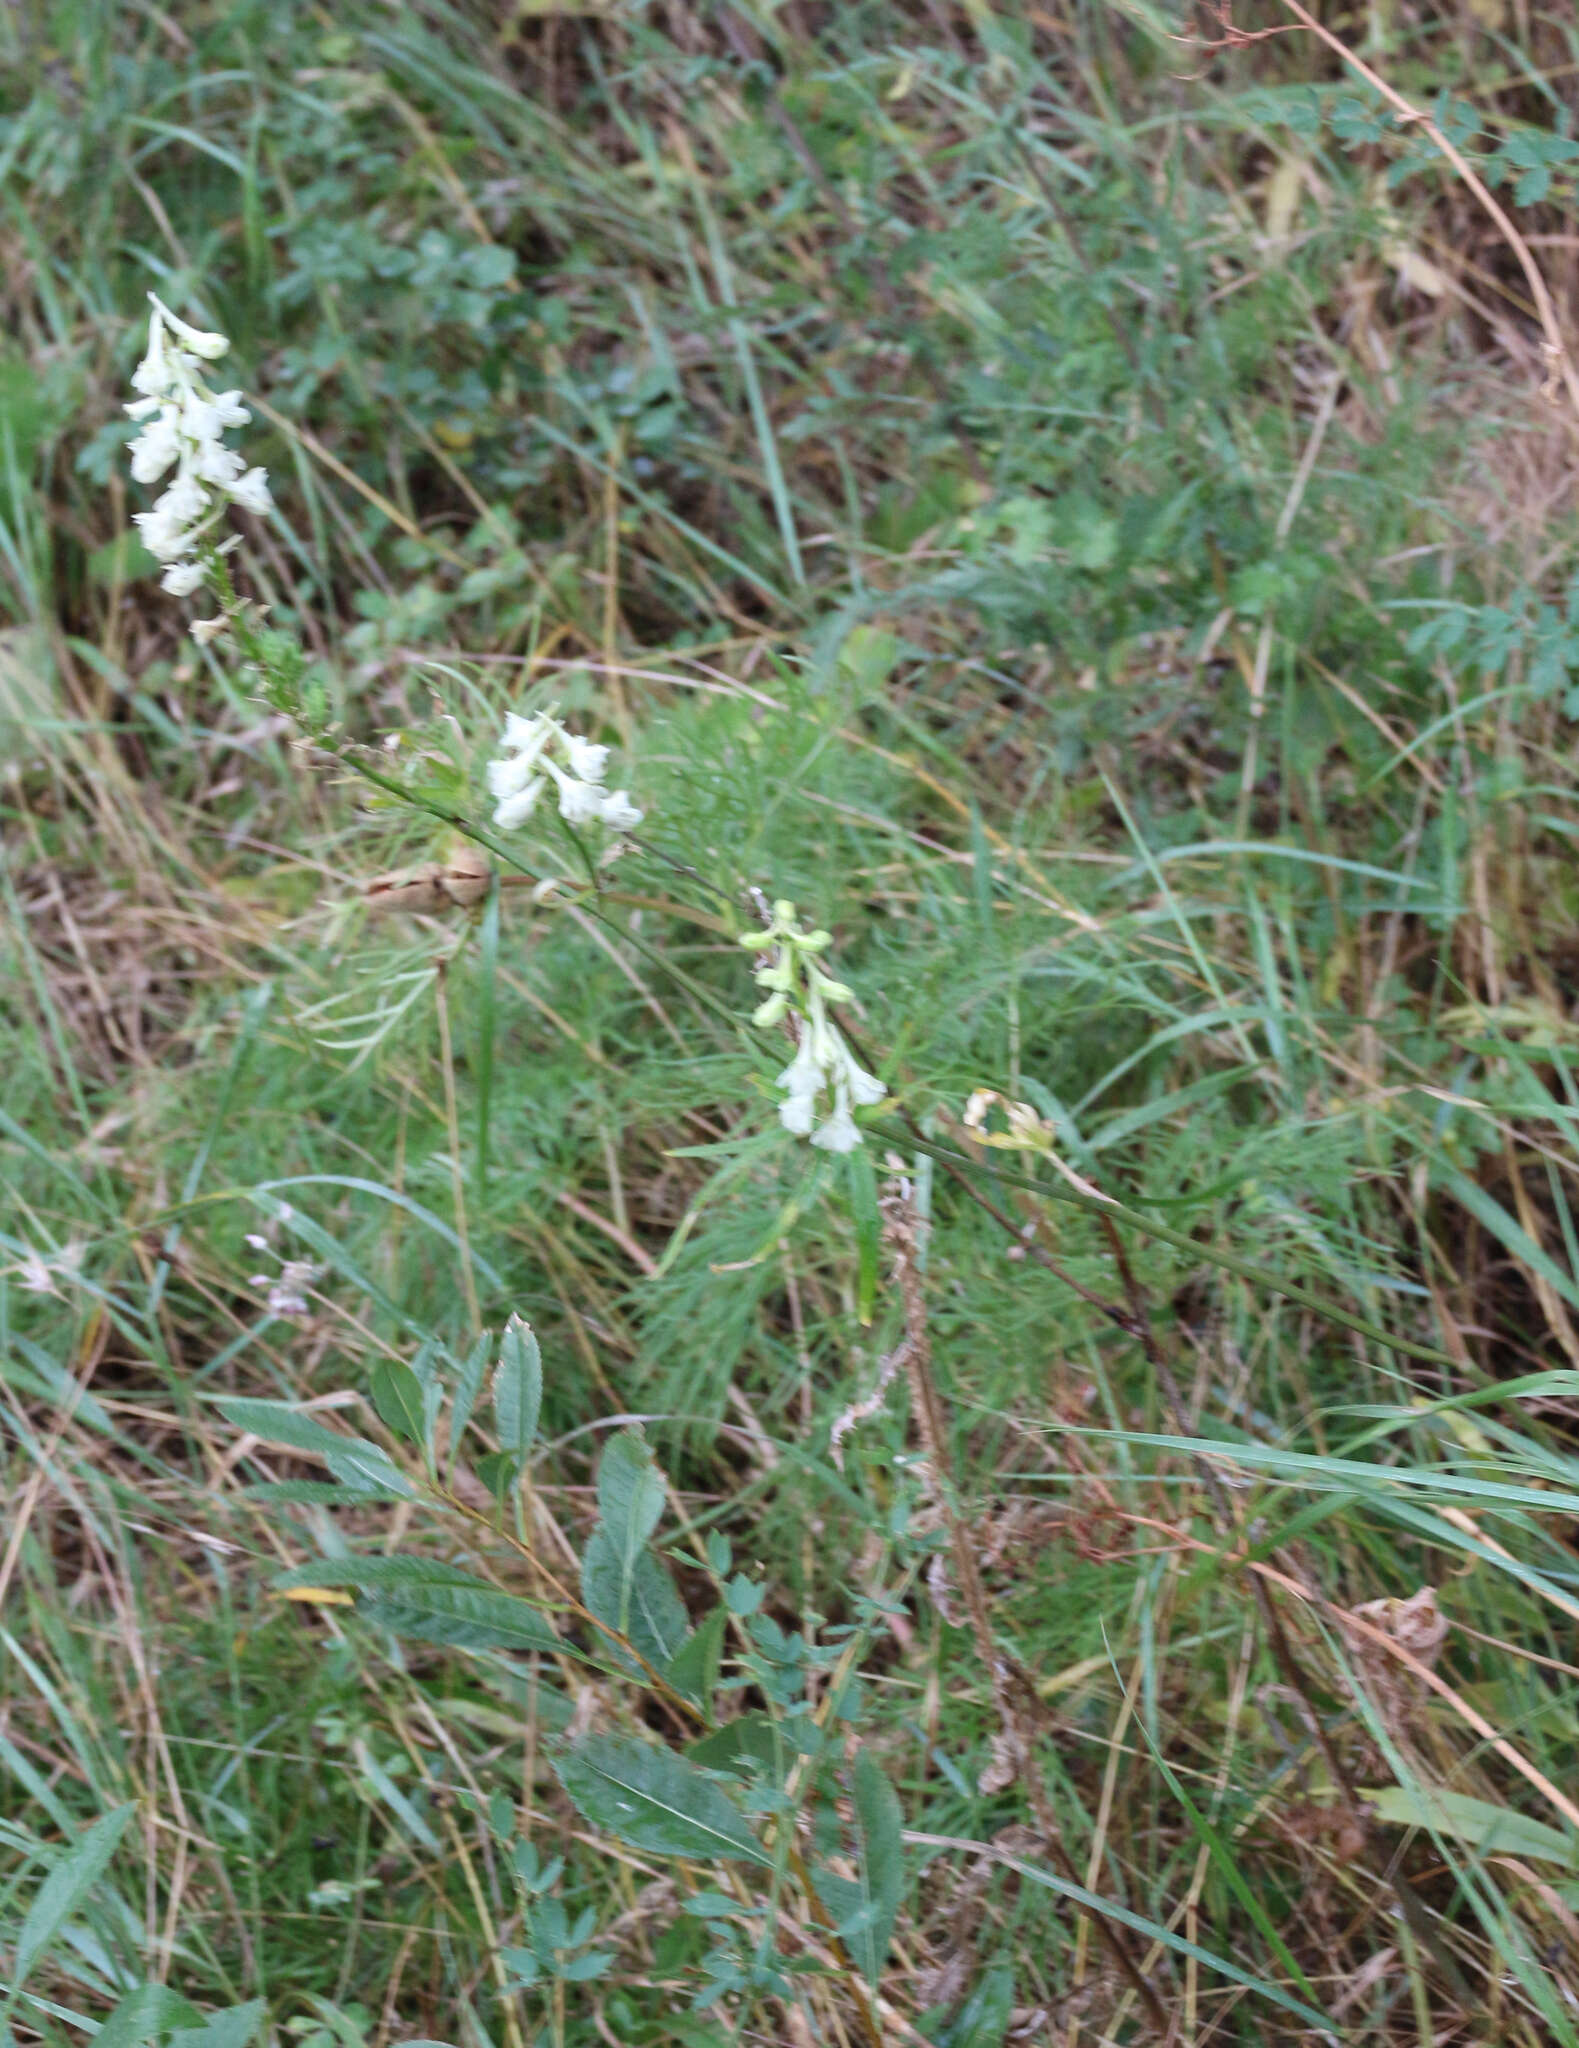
[503, 1542]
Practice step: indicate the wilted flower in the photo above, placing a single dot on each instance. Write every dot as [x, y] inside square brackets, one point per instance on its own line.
[518, 776]
[798, 988]
[36, 1272]
[286, 1290]
[185, 425]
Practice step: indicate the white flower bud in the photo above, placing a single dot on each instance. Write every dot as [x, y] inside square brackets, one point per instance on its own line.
[209, 346]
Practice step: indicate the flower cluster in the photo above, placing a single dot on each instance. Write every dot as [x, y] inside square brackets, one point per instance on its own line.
[527, 763]
[185, 425]
[798, 988]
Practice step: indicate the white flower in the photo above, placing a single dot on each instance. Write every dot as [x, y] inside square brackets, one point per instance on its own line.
[798, 1114]
[156, 447]
[619, 813]
[519, 773]
[182, 578]
[840, 1133]
[217, 464]
[152, 374]
[251, 492]
[530, 736]
[588, 761]
[205, 630]
[580, 803]
[516, 808]
[804, 1078]
[509, 773]
[865, 1088]
[205, 418]
[166, 529]
[822, 1059]
[185, 425]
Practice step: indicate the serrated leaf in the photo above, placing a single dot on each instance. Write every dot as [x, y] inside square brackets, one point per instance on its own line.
[655, 1800]
[397, 1395]
[866, 1907]
[64, 1890]
[517, 1388]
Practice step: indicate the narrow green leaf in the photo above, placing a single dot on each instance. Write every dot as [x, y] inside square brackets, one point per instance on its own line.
[1480, 1824]
[412, 1823]
[397, 1395]
[274, 1423]
[465, 1618]
[468, 1385]
[984, 2017]
[866, 1907]
[433, 1602]
[517, 1388]
[143, 2014]
[487, 981]
[64, 1890]
[655, 1800]
[868, 1229]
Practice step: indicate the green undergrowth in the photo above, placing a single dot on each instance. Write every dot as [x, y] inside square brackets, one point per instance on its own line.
[1073, 512]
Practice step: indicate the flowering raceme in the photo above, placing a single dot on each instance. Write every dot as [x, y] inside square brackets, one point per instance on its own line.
[798, 988]
[527, 764]
[184, 425]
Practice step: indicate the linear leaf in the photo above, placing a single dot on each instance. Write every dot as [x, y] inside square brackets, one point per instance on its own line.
[63, 1891]
[468, 1385]
[866, 1906]
[1479, 1823]
[984, 2017]
[655, 1800]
